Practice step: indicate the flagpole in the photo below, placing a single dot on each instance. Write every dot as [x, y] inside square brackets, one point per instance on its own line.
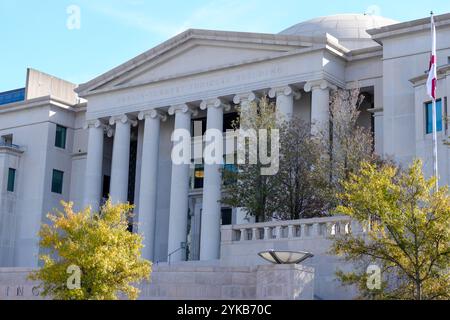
[435, 146]
[435, 139]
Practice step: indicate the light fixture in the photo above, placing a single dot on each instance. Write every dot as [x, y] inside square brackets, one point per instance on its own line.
[285, 257]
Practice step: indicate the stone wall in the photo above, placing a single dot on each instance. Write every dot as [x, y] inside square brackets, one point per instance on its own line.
[15, 286]
[241, 244]
[190, 282]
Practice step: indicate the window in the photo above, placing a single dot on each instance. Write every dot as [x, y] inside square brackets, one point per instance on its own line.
[106, 186]
[429, 116]
[11, 179]
[57, 181]
[230, 171]
[199, 176]
[60, 139]
[7, 140]
[230, 121]
[227, 217]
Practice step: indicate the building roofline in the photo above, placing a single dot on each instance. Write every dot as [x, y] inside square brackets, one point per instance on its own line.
[408, 27]
[232, 36]
[39, 102]
[364, 53]
[443, 70]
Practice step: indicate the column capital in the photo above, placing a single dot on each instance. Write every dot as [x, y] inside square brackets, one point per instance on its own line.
[214, 103]
[318, 84]
[244, 97]
[93, 124]
[109, 131]
[286, 91]
[182, 108]
[122, 119]
[153, 114]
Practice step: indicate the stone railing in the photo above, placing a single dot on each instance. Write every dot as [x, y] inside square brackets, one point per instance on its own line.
[294, 229]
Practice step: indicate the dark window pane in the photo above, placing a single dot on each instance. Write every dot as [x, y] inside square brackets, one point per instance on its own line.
[229, 121]
[106, 186]
[57, 181]
[230, 171]
[199, 176]
[429, 116]
[11, 179]
[227, 217]
[61, 134]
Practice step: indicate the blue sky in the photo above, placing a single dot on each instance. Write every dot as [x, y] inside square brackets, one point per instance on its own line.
[35, 34]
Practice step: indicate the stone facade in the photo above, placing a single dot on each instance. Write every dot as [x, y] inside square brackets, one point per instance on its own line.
[119, 127]
[274, 282]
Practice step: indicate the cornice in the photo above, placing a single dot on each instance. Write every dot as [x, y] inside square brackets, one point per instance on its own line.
[442, 71]
[37, 102]
[408, 27]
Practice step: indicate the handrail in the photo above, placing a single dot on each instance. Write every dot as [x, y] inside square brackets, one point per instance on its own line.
[183, 246]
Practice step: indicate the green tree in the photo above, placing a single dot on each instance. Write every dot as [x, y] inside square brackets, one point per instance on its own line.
[108, 256]
[407, 233]
[251, 190]
[301, 188]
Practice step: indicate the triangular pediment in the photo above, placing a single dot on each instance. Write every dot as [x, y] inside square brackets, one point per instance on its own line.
[194, 52]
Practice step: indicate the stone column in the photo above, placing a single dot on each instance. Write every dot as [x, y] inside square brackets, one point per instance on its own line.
[320, 106]
[149, 179]
[94, 165]
[120, 158]
[285, 101]
[244, 100]
[212, 190]
[179, 189]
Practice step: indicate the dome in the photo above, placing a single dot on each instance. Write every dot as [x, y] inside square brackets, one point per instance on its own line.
[349, 29]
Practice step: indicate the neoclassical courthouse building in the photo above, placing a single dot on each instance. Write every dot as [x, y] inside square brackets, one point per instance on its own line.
[112, 135]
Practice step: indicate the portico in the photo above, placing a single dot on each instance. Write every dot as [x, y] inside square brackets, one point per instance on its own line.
[154, 120]
[198, 74]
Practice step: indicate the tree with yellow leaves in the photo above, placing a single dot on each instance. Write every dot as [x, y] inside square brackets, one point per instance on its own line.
[99, 247]
[407, 233]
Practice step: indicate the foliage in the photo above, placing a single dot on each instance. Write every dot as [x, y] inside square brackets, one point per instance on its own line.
[252, 191]
[311, 168]
[350, 144]
[301, 186]
[100, 246]
[407, 232]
